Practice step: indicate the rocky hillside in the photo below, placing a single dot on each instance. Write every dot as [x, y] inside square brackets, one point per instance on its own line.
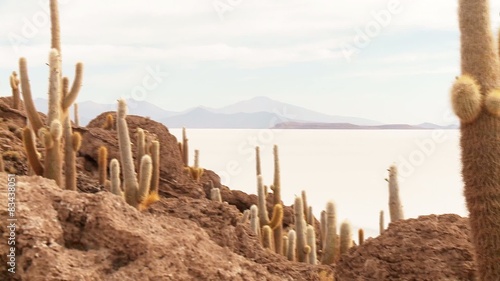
[92, 234]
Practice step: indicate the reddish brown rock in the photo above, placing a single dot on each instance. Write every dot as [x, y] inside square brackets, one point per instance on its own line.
[428, 248]
[67, 235]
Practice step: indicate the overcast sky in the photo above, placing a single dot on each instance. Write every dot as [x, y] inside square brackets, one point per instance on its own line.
[387, 60]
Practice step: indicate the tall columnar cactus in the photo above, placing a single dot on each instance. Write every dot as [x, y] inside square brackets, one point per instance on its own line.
[245, 217]
[109, 123]
[285, 245]
[276, 188]
[59, 102]
[304, 202]
[322, 229]
[311, 242]
[329, 247]
[257, 161]
[215, 195]
[155, 177]
[381, 224]
[267, 237]
[300, 228]
[345, 237]
[31, 152]
[114, 172]
[292, 245]
[76, 116]
[185, 148]
[475, 98]
[14, 85]
[135, 191]
[254, 220]
[361, 236]
[141, 145]
[395, 207]
[102, 164]
[277, 216]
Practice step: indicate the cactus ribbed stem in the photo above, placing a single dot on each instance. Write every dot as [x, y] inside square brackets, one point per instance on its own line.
[75, 115]
[345, 237]
[292, 245]
[130, 181]
[31, 153]
[102, 164]
[381, 224]
[267, 237]
[115, 177]
[300, 228]
[215, 195]
[330, 242]
[395, 207]
[361, 236]
[276, 188]
[311, 242]
[257, 161]
[254, 220]
[185, 148]
[29, 105]
[263, 216]
[14, 85]
[141, 146]
[155, 177]
[479, 136]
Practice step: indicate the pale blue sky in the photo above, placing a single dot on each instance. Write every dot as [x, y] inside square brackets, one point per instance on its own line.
[292, 51]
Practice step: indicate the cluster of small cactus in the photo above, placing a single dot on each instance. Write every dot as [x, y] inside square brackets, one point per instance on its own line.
[194, 171]
[140, 191]
[58, 129]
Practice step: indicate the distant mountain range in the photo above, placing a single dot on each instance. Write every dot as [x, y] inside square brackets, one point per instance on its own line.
[255, 113]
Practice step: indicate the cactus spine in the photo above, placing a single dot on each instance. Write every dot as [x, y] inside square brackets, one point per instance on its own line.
[331, 234]
[480, 133]
[292, 245]
[276, 188]
[395, 208]
[300, 228]
[345, 237]
[14, 85]
[311, 242]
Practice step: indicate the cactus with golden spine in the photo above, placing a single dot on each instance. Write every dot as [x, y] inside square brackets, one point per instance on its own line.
[361, 236]
[480, 132]
[109, 123]
[102, 164]
[395, 207]
[329, 248]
